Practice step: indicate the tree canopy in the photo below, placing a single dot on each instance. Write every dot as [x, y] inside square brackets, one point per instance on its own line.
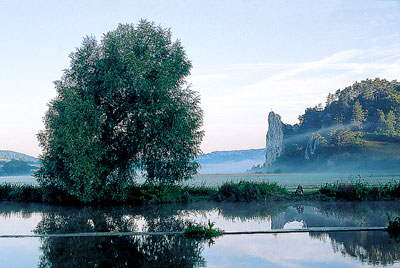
[362, 105]
[122, 106]
[353, 118]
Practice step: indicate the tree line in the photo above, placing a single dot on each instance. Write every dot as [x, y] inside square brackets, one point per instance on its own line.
[366, 110]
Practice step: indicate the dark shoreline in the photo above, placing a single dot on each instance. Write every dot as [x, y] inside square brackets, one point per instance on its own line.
[243, 191]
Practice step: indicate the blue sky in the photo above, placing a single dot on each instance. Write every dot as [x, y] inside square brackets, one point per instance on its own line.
[248, 57]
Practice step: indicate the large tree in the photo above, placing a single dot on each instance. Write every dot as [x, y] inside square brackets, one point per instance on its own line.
[123, 105]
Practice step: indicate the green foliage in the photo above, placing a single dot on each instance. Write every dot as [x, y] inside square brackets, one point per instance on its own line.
[143, 194]
[158, 194]
[370, 105]
[394, 226]
[322, 141]
[15, 167]
[344, 139]
[361, 191]
[391, 122]
[251, 191]
[20, 193]
[163, 194]
[294, 151]
[122, 106]
[242, 191]
[359, 115]
[202, 231]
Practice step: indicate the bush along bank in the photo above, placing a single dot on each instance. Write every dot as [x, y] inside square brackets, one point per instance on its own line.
[137, 194]
[242, 191]
[245, 191]
[361, 191]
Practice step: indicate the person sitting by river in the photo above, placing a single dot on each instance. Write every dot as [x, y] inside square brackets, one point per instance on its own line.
[299, 190]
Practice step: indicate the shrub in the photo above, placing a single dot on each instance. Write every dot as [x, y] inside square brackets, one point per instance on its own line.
[394, 226]
[20, 192]
[150, 193]
[161, 194]
[360, 191]
[251, 191]
[201, 230]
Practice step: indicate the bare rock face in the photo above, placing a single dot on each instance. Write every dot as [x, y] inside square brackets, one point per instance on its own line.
[275, 147]
[312, 145]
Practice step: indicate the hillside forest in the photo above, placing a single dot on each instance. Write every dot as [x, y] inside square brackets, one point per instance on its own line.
[359, 123]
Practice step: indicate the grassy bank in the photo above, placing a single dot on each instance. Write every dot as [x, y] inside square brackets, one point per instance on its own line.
[361, 191]
[140, 194]
[243, 191]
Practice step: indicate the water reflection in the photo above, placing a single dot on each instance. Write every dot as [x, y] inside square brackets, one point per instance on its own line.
[135, 251]
[148, 251]
[372, 248]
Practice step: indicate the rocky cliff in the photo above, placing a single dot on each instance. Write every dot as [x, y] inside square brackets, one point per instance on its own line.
[275, 147]
[312, 146]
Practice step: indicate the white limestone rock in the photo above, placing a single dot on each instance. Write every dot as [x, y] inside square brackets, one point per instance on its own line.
[312, 145]
[275, 147]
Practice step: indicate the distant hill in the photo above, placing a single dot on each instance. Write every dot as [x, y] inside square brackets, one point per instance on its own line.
[219, 162]
[6, 156]
[229, 162]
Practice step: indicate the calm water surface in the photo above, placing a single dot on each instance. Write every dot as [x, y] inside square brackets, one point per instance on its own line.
[332, 249]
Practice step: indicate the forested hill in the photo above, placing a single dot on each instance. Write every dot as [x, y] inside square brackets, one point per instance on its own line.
[13, 163]
[357, 128]
[370, 106]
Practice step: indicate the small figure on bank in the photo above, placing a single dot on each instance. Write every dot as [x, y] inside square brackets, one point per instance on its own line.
[299, 190]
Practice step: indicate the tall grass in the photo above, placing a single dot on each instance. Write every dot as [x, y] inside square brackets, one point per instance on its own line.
[361, 191]
[251, 191]
[20, 193]
[243, 191]
[174, 193]
[146, 193]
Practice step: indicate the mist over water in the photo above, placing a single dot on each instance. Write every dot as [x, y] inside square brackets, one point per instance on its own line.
[28, 179]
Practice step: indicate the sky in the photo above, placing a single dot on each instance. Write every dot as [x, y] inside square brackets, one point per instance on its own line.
[249, 57]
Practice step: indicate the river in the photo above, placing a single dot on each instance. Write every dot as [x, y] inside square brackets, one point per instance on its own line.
[320, 249]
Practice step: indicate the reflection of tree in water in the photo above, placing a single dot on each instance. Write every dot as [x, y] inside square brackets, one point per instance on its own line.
[253, 211]
[22, 210]
[368, 247]
[130, 251]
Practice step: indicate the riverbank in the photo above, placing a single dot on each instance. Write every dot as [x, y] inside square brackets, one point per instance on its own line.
[242, 191]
